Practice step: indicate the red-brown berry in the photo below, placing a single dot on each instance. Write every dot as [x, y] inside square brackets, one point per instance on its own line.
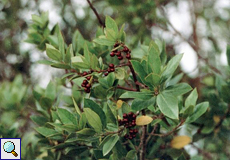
[133, 135]
[128, 56]
[87, 90]
[125, 49]
[130, 114]
[83, 85]
[111, 65]
[88, 78]
[88, 85]
[118, 54]
[84, 73]
[135, 131]
[109, 70]
[125, 115]
[134, 117]
[112, 69]
[106, 73]
[85, 82]
[116, 45]
[126, 136]
[112, 54]
[120, 57]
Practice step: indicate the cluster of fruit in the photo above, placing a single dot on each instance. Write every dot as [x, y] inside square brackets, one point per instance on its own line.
[86, 83]
[110, 69]
[129, 121]
[118, 53]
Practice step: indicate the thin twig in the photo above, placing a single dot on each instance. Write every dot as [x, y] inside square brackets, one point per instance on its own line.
[174, 129]
[125, 88]
[96, 13]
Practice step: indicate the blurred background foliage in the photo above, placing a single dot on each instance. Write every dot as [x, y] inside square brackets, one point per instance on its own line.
[205, 33]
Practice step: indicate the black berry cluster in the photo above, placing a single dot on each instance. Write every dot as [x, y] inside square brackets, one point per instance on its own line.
[129, 121]
[85, 83]
[110, 69]
[118, 53]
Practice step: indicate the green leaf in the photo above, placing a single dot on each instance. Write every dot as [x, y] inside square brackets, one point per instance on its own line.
[111, 29]
[191, 99]
[66, 116]
[47, 132]
[131, 155]
[69, 54]
[175, 79]
[79, 62]
[86, 132]
[110, 117]
[154, 62]
[199, 110]
[53, 53]
[138, 95]
[88, 103]
[82, 121]
[103, 41]
[138, 68]
[93, 119]
[225, 93]
[138, 105]
[168, 105]
[108, 146]
[61, 43]
[107, 82]
[51, 91]
[46, 102]
[171, 66]
[39, 120]
[228, 54]
[178, 89]
[60, 65]
[120, 73]
[153, 79]
[76, 106]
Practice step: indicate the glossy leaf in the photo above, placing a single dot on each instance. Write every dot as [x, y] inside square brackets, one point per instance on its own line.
[191, 99]
[178, 89]
[138, 95]
[168, 105]
[108, 146]
[200, 109]
[53, 53]
[66, 116]
[93, 119]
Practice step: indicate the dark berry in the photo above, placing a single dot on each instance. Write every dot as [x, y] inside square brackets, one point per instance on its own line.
[112, 54]
[131, 131]
[135, 131]
[130, 114]
[125, 49]
[106, 73]
[88, 78]
[125, 120]
[109, 70]
[85, 82]
[88, 85]
[87, 90]
[116, 45]
[130, 137]
[133, 135]
[120, 122]
[126, 136]
[128, 56]
[120, 57]
[84, 73]
[83, 85]
[125, 115]
[111, 65]
[118, 54]
[134, 117]
[133, 124]
[112, 69]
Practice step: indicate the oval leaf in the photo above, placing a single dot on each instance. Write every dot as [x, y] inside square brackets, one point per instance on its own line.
[180, 141]
[143, 120]
[108, 146]
[93, 119]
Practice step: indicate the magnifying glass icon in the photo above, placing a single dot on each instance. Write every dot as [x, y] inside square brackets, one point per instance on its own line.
[9, 147]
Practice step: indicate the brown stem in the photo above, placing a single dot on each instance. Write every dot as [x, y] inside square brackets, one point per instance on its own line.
[134, 76]
[174, 129]
[96, 13]
[125, 88]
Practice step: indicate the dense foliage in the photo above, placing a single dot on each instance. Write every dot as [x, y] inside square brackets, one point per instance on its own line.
[121, 95]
